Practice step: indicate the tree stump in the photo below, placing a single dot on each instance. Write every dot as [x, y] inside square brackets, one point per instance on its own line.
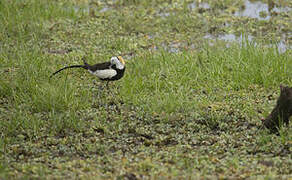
[281, 112]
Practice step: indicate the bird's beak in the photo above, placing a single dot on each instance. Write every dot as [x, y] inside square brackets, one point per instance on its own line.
[121, 59]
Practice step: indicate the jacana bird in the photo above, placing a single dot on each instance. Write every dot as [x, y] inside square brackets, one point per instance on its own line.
[108, 71]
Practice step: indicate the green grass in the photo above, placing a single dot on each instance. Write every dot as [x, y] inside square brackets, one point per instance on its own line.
[191, 114]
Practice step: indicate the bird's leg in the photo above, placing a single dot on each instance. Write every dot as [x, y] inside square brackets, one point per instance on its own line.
[107, 87]
[98, 88]
[110, 90]
[97, 85]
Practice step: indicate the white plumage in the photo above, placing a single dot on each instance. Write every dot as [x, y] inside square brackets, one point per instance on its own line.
[104, 74]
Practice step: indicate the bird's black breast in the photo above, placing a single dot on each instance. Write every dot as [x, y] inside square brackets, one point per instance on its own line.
[120, 74]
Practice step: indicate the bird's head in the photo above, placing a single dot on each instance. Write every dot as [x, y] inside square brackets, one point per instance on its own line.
[118, 61]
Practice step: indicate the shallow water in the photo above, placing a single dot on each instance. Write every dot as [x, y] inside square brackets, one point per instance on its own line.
[255, 9]
[203, 5]
[251, 9]
[282, 45]
[229, 37]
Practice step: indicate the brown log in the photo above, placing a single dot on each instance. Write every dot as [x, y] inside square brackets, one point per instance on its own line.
[281, 112]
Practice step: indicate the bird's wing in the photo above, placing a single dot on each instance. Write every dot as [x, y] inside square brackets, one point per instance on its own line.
[100, 66]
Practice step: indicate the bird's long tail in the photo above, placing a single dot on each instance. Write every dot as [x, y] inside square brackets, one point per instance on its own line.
[67, 67]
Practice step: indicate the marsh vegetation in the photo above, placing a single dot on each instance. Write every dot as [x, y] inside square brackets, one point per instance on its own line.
[200, 77]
